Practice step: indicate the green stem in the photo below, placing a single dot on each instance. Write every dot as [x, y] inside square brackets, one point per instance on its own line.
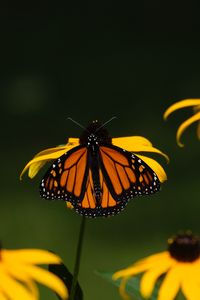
[78, 259]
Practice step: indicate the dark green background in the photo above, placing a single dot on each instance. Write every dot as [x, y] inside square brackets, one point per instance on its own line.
[87, 61]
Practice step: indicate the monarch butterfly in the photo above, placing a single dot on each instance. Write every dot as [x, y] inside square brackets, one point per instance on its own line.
[97, 177]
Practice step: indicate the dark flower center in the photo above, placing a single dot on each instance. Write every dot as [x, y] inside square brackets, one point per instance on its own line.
[184, 247]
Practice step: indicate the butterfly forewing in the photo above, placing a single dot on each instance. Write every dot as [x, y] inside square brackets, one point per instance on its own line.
[127, 175]
[92, 207]
[66, 179]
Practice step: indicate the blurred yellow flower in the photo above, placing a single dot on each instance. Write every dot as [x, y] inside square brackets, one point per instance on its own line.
[133, 144]
[195, 103]
[18, 271]
[181, 263]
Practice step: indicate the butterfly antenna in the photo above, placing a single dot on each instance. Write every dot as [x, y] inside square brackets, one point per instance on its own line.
[77, 123]
[106, 123]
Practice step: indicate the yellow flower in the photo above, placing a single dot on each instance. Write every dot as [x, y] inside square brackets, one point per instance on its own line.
[181, 263]
[132, 143]
[195, 103]
[18, 271]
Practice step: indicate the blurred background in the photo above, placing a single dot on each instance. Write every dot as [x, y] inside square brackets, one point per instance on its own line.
[91, 61]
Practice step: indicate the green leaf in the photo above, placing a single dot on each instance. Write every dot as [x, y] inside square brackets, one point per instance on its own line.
[62, 272]
[132, 286]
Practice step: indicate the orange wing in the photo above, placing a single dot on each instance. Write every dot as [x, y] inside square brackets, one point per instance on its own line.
[92, 207]
[122, 176]
[66, 179]
[126, 175]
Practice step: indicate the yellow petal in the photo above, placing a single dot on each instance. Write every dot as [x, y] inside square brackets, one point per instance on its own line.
[122, 288]
[46, 278]
[32, 287]
[132, 270]
[149, 278]
[14, 270]
[30, 256]
[137, 144]
[154, 261]
[171, 284]
[51, 150]
[129, 142]
[179, 105]
[158, 261]
[155, 166]
[190, 286]
[13, 289]
[196, 269]
[155, 258]
[184, 125]
[34, 169]
[36, 166]
[150, 149]
[40, 159]
[73, 141]
[191, 290]
[2, 296]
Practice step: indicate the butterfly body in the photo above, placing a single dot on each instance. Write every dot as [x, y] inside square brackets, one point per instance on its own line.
[96, 177]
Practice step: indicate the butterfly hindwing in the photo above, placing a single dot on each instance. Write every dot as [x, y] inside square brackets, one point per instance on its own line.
[66, 178]
[106, 205]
